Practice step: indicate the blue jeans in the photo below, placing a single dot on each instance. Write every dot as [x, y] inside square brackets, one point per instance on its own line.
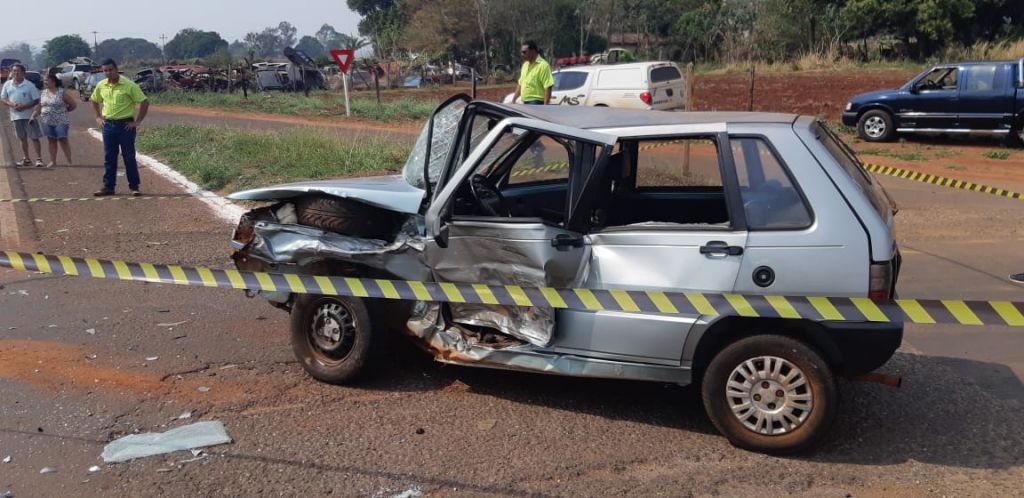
[117, 137]
[533, 102]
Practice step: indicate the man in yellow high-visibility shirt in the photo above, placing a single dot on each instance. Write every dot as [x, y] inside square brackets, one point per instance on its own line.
[535, 80]
[114, 102]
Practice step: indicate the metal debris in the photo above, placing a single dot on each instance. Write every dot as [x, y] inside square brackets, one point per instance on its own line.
[198, 435]
[47, 470]
[152, 358]
[173, 324]
[7, 459]
[94, 469]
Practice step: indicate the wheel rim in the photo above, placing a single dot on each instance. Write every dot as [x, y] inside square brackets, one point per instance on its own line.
[332, 332]
[874, 127]
[769, 395]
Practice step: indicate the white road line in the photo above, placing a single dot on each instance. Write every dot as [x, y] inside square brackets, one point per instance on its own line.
[221, 207]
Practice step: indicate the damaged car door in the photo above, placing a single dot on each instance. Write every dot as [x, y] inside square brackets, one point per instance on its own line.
[509, 216]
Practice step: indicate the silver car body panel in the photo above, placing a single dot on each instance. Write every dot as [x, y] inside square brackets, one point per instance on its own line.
[451, 344]
[878, 228]
[826, 258]
[388, 192]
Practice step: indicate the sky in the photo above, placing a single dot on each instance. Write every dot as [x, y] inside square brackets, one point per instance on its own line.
[151, 18]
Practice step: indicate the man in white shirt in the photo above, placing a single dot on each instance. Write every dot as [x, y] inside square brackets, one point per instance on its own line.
[21, 96]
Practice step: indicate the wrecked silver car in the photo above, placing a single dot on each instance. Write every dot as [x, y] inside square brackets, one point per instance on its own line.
[592, 198]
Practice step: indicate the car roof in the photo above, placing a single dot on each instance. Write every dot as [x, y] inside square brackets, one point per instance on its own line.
[974, 63]
[631, 65]
[606, 117]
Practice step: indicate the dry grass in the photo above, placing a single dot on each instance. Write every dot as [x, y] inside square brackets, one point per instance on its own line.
[1003, 50]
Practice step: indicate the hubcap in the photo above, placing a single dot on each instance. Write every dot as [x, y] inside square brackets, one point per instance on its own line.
[874, 127]
[333, 331]
[769, 395]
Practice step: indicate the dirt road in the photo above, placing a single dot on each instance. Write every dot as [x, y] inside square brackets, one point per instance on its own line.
[77, 370]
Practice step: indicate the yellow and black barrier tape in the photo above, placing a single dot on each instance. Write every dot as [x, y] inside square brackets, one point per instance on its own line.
[941, 181]
[817, 308]
[98, 198]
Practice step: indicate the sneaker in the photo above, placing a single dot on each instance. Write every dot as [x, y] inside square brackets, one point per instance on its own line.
[50, 164]
[25, 162]
[1017, 277]
[39, 163]
[135, 192]
[103, 191]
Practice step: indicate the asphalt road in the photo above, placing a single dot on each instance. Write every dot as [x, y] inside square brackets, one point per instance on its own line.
[76, 371]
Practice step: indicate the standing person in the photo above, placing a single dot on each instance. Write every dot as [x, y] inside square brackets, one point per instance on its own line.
[114, 101]
[52, 113]
[21, 96]
[535, 80]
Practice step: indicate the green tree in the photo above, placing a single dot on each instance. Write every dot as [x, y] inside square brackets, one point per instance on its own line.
[128, 49]
[287, 33]
[192, 43]
[327, 36]
[310, 46]
[932, 24]
[383, 21]
[65, 47]
[18, 50]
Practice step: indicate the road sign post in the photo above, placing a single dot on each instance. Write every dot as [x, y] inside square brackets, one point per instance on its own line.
[343, 58]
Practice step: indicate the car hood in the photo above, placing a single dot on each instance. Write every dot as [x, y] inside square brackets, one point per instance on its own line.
[388, 192]
[876, 95]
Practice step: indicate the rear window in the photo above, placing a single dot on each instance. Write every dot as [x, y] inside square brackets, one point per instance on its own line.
[665, 73]
[569, 80]
[848, 160]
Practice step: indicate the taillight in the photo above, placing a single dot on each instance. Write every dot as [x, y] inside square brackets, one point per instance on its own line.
[646, 98]
[880, 283]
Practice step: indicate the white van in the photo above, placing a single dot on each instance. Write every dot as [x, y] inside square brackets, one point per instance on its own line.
[639, 85]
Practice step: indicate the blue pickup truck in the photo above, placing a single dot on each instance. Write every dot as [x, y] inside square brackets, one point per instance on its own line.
[956, 98]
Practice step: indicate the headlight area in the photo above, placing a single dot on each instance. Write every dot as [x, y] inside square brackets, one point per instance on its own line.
[849, 106]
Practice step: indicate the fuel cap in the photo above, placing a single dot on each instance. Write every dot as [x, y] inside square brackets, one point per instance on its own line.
[764, 276]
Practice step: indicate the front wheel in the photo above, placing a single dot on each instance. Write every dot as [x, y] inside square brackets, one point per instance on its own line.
[876, 126]
[330, 336]
[770, 393]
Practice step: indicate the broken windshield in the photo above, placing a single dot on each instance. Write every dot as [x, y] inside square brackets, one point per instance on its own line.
[446, 128]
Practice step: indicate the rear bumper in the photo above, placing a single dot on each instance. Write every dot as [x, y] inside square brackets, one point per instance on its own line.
[863, 346]
[850, 118]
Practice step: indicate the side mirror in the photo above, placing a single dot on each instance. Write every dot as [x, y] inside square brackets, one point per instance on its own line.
[914, 89]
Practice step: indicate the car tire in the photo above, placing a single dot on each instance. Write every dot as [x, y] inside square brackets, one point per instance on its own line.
[751, 414]
[331, 336]
[348, 217]
[876, 125]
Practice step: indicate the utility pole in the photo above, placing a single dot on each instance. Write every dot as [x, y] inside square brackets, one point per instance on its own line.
[95, 45]
[163, 43]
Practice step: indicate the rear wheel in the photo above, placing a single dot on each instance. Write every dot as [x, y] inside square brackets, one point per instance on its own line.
[876, 126]
[330, 336]
[770, 393]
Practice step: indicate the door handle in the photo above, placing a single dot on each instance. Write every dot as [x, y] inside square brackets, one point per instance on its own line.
[719, 247]
[564, 241]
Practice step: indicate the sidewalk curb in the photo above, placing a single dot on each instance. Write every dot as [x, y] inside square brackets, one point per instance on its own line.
[221, 207]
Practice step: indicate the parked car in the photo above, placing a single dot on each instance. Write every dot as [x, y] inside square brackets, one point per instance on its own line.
[602, 199]
[85, 93]
[640, 85]
[73, 76]
[35, 78]
[5, 68]
[150, 80]
[956, 98]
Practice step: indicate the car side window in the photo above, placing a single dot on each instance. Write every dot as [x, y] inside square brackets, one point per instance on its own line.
[771, 201]
[569, 80]
[666, 73]
[545, 160]
[984, 78]
[942, 78]
[664, 183]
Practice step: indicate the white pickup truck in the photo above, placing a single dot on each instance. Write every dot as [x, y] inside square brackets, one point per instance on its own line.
[74, 75]
[639, 85]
